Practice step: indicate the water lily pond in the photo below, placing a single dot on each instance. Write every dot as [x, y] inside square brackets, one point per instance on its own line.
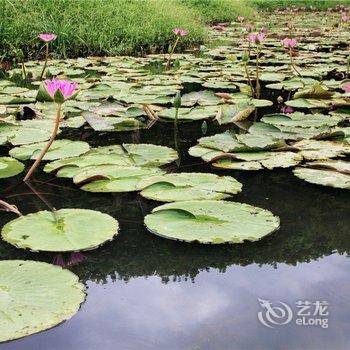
[201, 203]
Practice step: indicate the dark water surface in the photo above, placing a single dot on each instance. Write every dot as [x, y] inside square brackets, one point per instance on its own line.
[146, 292]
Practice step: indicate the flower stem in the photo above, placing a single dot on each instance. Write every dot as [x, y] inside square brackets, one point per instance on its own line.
[172, 52]
[24, 70]
[248, 78]
[292, 63]
[257, 85]
[46, 59]
[47, 146]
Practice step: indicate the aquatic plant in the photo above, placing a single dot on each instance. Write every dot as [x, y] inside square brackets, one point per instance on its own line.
[257, 39]
[290, 44]
[346, 87]
[59, 91]
[177, 105]
[179, 32]
[46, 38]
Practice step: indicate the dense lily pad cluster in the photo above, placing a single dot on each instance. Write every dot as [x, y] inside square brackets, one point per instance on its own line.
[306, 127]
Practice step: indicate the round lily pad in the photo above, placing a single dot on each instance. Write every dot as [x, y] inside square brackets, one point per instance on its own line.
[35, 296]
[211, 221]
[332, 173]
[59, 149]
[113, 178]
[63, 230]
[189, 186]
[10, 167]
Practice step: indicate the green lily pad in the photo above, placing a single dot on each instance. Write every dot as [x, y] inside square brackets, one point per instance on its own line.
[10, 167]
[59, 149]
[36, 296]
[258, 160]
[211, 221]
[147, 155]
[334, 173]
[188, 186]
[320, 149]
[113, 178]
[63, 230]
[234, 113]
[22, 135]
[195, 113]
[202, 98]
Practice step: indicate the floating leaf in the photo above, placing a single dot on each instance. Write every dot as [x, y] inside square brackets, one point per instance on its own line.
[59, 149]
[188, 186]
[36, 296]
[10, 167]
[258, 160]
[210, 221]
[62, 230]
[113, 178]
[328, 173]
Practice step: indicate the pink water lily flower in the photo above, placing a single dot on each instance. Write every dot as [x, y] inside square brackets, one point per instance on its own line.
[346, 87]
[66, 87]
[287, 109]
[47, 37]
[344, 18]
[289, 42]
[58, 260]
[249, 28]
[180, 31]
[257, 38]
[76, 258]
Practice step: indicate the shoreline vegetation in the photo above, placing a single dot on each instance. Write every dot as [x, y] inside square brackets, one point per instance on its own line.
[119, 27]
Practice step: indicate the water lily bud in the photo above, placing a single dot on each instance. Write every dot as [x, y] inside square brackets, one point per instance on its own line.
[177, 100]
[280, 99]
[232, 58]
[245, 57]
[58, 97]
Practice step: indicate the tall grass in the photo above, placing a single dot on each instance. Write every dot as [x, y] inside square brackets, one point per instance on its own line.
[98, 27]
[213, 11]
[319, 4]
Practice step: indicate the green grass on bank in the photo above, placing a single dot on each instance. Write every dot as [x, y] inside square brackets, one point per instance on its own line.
[95, 27]
[110, 27]
[319, 4]
[214, 11]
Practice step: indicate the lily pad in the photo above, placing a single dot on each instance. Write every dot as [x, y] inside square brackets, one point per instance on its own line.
[59, 149]
[334, 173]
[258, 160]
[10, 167]
[36, 296]
[113, 178]
[63, 230]
[211, 221]
[127, 155]
[188, 186]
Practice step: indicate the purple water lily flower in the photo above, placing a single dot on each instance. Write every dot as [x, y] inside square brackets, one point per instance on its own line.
[76, 258]
[58, 260]
[47, 37]
[66, 87]
[346, 87]
[257, 38]
[289, 42]
[180, 31]
[287, 109]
